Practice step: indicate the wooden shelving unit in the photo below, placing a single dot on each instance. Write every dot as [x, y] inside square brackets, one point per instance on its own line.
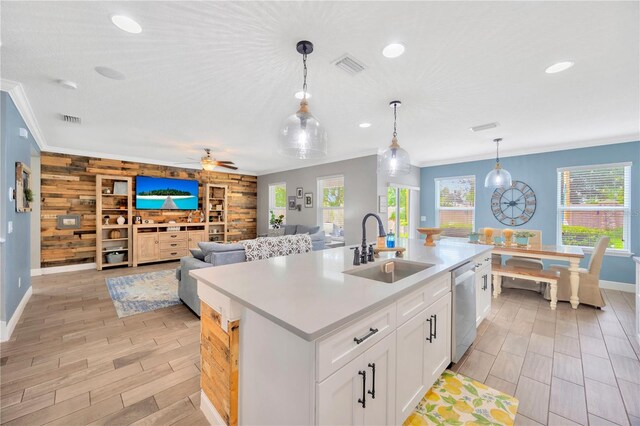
[215, 207]
[113, 237]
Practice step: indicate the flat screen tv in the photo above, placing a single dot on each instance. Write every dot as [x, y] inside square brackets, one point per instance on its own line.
[154, 193]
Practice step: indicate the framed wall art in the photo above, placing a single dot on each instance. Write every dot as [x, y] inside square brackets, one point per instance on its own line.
[24, 193]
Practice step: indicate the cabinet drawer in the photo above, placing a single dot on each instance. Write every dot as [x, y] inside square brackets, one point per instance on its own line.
[173, 254]
[482, 261]
[415, 302]
[173, 236]
[339, 348]
[173, 245]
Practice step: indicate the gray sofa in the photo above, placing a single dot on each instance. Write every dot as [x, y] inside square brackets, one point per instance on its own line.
[216, 254]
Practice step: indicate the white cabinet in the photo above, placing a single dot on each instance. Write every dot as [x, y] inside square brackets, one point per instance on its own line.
[363, 391]
[483, 288]
[424, 351]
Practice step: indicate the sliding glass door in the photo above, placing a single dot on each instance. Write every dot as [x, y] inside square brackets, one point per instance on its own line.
[398, 212]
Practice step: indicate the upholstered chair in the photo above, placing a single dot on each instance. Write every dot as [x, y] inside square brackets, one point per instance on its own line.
[589, 292]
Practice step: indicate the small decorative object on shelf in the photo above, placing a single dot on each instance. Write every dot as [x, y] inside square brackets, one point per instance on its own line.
[106, 191]
[507, 234]
[391, 240]
[121, 220]
[488, 234]
[522, 238]
[106, 220]
[474, 237]
[120, 188]
[137, 220]
[115, 257]
[114, 234]
[498, 241]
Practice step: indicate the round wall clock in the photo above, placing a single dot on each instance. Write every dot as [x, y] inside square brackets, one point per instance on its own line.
[514, 205]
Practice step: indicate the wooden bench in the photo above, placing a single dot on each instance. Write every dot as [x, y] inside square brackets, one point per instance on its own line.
[542, 275]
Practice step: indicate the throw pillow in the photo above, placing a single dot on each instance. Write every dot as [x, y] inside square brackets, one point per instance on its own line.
[265, 248]
[290, 229]
[304, 229]
[198, 254]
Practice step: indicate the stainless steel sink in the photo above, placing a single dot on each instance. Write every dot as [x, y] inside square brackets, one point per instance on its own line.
[389, 271]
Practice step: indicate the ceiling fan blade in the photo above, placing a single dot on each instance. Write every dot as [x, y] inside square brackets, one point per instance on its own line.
[225, 162]
[226, 166]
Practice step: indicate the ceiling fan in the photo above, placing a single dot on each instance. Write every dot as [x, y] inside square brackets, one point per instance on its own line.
[209, 163]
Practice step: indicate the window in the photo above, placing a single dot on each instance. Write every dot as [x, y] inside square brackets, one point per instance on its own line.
[594, 201]
[331, 205]
[277, 201]
[398, 211]
[456, 205]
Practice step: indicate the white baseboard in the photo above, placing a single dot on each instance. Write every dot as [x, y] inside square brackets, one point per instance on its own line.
[615, 285]
[36, 272]
[66, 268]
[210, 411]
[6, 328]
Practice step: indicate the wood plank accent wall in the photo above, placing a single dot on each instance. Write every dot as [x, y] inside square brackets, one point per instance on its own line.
[68, 187]
[219, 352]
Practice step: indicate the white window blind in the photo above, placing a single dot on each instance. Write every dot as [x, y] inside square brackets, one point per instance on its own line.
[456, 205]
[594, 201]
[331, 204]
[277, 200]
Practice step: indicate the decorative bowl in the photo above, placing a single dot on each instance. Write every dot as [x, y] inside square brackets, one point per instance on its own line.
[429, 232]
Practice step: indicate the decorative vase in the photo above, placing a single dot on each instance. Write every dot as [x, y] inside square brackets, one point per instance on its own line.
[522, 241]
[497, 240]
[488, 233]
[507, 233]
[121, 220]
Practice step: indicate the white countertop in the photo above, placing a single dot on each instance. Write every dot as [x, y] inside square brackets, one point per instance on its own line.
[310, 296]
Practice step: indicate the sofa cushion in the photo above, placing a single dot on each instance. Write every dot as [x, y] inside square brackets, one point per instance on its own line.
[290, 229]
[197, 253]
[304, 229]
[275, 232]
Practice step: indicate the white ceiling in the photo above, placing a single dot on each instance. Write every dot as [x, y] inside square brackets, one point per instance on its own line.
[223, 75]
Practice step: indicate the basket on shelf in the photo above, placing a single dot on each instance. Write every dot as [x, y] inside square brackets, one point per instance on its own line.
[115, 257]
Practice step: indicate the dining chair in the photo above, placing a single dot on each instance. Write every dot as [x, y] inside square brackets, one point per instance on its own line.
[589, 291]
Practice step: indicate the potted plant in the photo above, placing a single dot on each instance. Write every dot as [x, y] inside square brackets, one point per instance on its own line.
[28, 195]
[274, 221]
[522, 237]
[474, 237]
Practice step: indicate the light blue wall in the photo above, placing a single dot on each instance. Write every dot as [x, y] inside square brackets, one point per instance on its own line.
[539, 171]
[16, 250]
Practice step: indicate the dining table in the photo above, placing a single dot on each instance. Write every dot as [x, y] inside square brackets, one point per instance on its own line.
[570, 254]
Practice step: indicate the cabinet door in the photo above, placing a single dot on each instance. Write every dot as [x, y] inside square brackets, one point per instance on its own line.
[410, 356]
[479, 292]
[196, 237]
[147, 247]
[484, 296]
[438, 340]
[338, 395]
[380, 364]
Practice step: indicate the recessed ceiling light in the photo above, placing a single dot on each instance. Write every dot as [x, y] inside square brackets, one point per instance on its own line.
[300, 95]
[484, 127]
[393, 50]
[364, 125]
[67, 84]
[126, 24]
[110, 73]
[559, 67]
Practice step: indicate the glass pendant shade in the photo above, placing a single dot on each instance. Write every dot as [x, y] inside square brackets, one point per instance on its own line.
[394, 161]
[497, 178]
[302, 136]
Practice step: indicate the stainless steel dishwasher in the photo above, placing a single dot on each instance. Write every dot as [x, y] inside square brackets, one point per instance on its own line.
[463, 314]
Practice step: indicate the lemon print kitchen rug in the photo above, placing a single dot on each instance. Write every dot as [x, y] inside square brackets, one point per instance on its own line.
[459, 400]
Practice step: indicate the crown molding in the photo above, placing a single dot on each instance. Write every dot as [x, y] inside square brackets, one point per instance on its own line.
[536, 150]
[19, 98]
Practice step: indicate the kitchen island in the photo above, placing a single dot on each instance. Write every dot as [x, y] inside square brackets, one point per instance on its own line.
[302, 340]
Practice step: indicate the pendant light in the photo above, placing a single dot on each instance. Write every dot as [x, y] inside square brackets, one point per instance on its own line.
[394, 161]
[498, 177]
[302, 136]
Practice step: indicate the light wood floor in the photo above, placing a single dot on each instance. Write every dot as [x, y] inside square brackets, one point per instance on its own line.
[72, 361]
[566, 366]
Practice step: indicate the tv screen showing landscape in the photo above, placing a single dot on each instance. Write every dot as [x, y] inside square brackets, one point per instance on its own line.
[166, 194]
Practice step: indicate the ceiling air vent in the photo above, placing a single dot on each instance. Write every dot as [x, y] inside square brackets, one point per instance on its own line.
[71, 119]
[484, 127]
[349, 64]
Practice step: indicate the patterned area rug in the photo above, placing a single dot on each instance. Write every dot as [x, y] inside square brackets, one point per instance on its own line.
[458, 400]
[135, 294]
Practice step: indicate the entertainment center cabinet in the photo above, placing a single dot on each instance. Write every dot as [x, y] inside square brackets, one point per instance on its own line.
[157, 242]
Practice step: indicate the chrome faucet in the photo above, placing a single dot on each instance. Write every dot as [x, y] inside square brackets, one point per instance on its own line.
[364, 254]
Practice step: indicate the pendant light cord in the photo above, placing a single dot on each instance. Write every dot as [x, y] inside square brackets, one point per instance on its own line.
[497, 141]
[395, 119]
[304, 64]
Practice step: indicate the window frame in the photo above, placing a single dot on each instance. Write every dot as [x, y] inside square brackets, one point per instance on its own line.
[270, 207]
[320, 199]
[626, 208]
[437, 200]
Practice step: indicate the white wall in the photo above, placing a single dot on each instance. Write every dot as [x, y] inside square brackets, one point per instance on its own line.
[360, 194]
